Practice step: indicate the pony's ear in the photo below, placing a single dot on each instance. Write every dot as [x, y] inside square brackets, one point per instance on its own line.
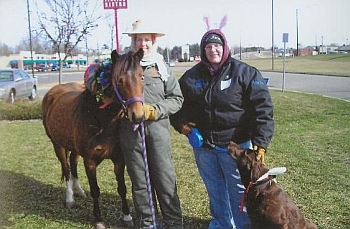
[114, 56]
[139, 54]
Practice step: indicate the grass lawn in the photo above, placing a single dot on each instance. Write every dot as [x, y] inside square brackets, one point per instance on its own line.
[312, 139]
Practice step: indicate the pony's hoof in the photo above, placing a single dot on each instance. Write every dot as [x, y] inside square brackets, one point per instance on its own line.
[69, 204]
[128, 223]
[80, 194]
[99, 225]
[83, 195]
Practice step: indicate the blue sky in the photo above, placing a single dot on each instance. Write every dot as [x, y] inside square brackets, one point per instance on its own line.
[249, 21]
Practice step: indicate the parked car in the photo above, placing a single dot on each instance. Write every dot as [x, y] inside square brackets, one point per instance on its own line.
[171, 64]
[54, 67]
[73, 66]
[92, 68]
[41, 68]
[16, 83]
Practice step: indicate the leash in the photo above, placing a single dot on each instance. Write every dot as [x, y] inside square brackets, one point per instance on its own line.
[148, 180]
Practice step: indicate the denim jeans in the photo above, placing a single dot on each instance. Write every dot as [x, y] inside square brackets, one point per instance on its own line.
[223, 183]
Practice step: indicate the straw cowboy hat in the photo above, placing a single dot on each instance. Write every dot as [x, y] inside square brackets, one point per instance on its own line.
[142, 28]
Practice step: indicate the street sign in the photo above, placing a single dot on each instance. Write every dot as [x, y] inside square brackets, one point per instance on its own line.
[285, 40]
[115, 4]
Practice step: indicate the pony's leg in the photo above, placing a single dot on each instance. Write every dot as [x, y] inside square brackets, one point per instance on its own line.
[69, 194]
[73, 159]
[121, 188]
[90, 169]
[61, 154]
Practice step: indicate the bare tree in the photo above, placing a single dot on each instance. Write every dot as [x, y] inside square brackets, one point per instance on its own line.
[65, 24]
[109, 18]
[5, 50]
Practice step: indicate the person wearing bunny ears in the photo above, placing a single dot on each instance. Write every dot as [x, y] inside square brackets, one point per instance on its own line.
[225, 100]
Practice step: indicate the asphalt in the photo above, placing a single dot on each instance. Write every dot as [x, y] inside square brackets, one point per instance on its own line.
[330, 86]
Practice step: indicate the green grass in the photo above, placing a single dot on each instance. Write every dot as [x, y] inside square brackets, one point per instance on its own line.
[332, 64]
[312, 139]
[21, 110]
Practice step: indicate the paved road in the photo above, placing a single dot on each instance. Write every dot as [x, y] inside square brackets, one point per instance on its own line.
[332, 86]
[337, 87]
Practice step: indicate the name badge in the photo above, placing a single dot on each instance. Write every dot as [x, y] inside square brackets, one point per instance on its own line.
[225, 84]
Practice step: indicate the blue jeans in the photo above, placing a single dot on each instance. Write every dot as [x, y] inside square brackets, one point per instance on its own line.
[223, 183]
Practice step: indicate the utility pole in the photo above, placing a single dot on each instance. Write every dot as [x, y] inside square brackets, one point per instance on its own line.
[30, 39]
[296, 15]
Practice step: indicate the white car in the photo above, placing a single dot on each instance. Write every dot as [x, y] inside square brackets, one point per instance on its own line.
[171, 64]
[16, 83]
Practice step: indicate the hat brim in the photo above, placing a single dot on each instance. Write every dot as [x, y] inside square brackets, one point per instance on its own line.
[158, 34]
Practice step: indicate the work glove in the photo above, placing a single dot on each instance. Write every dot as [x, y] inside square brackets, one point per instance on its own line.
[186, 128]
[150, 112]
[261, 154]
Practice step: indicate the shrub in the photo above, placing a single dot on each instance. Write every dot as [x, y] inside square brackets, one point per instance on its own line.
[20, 110]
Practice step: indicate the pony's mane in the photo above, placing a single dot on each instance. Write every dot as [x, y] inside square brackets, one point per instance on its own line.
[112, 68]
[126, 63]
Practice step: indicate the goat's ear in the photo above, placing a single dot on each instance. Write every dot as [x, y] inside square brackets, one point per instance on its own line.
[139, 55]
[114, 56]
[234, 150]
[250, 154]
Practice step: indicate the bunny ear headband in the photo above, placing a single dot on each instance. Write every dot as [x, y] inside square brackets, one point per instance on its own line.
[222, 23]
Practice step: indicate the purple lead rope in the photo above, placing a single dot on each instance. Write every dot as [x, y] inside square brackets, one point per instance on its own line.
[148, 180]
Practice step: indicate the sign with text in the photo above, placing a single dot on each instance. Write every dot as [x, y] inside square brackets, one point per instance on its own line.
[115, 4]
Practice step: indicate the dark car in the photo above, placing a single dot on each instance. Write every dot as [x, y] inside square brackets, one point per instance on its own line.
[15, 83]
[54, 67]
[92, 68]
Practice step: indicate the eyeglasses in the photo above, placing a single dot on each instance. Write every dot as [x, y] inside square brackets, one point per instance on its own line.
[213, 46]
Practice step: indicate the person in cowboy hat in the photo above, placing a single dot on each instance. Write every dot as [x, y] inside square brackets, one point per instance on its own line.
[163, 97]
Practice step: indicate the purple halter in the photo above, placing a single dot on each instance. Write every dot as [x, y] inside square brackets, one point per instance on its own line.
[129, 101]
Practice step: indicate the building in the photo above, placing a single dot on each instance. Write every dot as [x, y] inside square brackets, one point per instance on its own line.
[23, 60]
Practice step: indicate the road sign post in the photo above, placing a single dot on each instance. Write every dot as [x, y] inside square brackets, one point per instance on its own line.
[285, 40]
[115, 5]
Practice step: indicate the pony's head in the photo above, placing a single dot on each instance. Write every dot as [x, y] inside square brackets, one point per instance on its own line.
[121, 81]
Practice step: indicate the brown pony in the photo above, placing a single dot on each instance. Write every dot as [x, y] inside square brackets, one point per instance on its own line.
[85, 123]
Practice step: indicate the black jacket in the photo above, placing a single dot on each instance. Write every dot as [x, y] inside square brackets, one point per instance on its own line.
[233, 105]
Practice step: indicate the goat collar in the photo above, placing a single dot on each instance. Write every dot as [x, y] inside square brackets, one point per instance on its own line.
[267, 177]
